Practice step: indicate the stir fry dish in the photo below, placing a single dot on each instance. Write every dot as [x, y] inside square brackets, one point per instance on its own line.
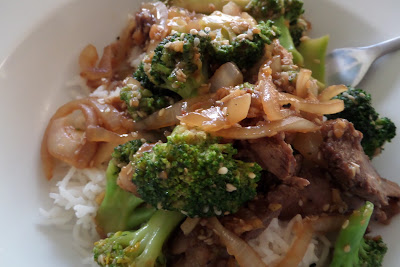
[210, 138]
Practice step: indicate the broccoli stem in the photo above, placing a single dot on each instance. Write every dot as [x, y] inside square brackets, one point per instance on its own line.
[155, 233]
[351, 238]
[120, 210]
[314, 52]
[287, 42]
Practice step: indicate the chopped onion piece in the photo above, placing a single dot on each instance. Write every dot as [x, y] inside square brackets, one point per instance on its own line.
[269, 95]
[226, 75]
[243, 253]
[302, 85]
[331, 91]
[289, 124]
[327, 107]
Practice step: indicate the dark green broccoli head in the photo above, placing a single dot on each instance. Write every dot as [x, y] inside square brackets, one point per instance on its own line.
[245, 52]
[297, 30]
[358, 109]
[197, 178]
[273, 9]
[180, 64]
[352, 248]
[123, 153]
[142, 102]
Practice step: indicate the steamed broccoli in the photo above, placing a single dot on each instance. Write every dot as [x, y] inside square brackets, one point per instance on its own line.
[123, 153]
[352, 248]
[120, 210]
[358, 109]
[243, 51]
[195, 175]
[179, 64]
[273, 9]
[142, 247]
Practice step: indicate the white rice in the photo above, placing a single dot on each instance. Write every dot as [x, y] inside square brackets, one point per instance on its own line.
[275, 241]
[74, 206]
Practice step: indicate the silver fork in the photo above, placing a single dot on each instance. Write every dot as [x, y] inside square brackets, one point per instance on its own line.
[349, 65]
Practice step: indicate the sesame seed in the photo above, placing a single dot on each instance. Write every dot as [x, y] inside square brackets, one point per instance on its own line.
[184, 212]
[207, 29]
[206, 209]
[101, 101]
[161, 112]
[217, 211]
[134, 134]
[193, 31]
[196, 42]
[182, 35]
[230, 187]
[326, 207]
[301, 203]
[345, 224]
[251, 175]
[159, 205]
[223, 170]
[202, 34]
[347, 248]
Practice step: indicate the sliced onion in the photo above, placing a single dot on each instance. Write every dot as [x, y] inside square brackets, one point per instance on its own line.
[303, 78]
[289, 124]
[168, 116]
[327, 107]
[269, 95]
[308, 145]
[243, 253]
[297, 250]
[100, 134]
[331, 91]
[189, 224]
[88, 58]
[104, 68]
[219, 117]
[226, 75]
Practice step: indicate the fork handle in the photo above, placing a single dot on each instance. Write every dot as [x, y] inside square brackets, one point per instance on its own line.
[386, 47]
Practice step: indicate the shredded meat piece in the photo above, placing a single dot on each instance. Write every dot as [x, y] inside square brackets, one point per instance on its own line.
[352, 169]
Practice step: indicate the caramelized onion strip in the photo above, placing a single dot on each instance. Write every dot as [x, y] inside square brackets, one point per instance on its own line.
[331, 91]
[289, 124]
[243, 253]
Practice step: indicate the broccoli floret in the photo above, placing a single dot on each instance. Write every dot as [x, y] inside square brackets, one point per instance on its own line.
[273, 9]
[352, 248]
[195, 175]
[180, 63]
[141, 102]
[123, 153]
[243, 51]
[358, 109]
[120, 210]
[138, 248]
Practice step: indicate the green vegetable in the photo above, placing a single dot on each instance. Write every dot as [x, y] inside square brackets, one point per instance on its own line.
[287, 42]
[120, 210]
[352, 248]
[205, 6]
[195, 175]
[180, 64]
[314, 52]
[243, 51]
[123, 153]
[358, 109]
[273, 9]
[138, 248]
